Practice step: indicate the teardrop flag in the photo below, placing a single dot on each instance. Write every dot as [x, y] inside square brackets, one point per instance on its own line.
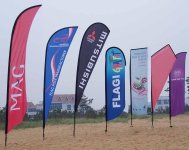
[114, 82]
[16, 88]
[91, 46]
[56, 50]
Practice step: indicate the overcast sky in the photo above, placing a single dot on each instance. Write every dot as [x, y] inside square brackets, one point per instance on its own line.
[132, 24]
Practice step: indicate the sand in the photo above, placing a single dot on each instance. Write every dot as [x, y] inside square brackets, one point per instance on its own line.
[120, 136]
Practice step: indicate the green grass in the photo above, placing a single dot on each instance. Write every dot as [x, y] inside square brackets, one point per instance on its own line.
[58, 121]
[34, 124]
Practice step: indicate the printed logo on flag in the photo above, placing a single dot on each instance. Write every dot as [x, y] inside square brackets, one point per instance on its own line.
[62, 39]
[178, 75]
[60, 42]
[139, 86]
[116, 61]
[91, 37]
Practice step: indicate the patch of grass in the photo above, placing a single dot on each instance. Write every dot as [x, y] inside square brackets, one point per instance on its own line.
[61, 121]
[2, 126]
[140, 117]
[58, 121]
[161, 116]
[120, 119]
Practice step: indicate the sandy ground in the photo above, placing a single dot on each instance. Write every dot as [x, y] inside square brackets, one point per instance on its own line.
[120, 136]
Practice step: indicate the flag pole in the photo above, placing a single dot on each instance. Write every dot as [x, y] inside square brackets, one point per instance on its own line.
[75, 110]
[152, 109]
[131, 115]
[76, 102]
[44, 107]
[106, 107]
[170, 103]
[8, 78]
[74, 122]
[44, 85]
[106, 130]
[7, 108]
[43, 133]
[44, 114]
[106, 126]
[131, 107]
[106, 115]
[5, 140]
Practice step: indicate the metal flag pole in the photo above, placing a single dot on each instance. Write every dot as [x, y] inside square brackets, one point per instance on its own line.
[152, 109]
[131, 107]
[75, 112]
[170, 103]
[106, 107]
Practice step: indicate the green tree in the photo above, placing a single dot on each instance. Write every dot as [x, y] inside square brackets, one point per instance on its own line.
[84, 105]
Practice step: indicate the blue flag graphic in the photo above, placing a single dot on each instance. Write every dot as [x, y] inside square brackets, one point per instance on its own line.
[56, 51]
[115, 82]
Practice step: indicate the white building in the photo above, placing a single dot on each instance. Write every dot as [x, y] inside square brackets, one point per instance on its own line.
[163, 103]
[31, 109]
[39, 107]
[63, 102]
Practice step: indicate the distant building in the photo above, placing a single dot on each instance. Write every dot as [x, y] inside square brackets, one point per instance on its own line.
[163, 103]
[39, 107]
[63, 102]
[187, 101]
[31, 109]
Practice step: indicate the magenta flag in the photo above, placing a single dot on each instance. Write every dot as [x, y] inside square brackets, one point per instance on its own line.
[177, 85]
[161, 66]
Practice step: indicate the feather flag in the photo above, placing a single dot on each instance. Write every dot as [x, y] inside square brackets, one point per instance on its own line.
[91, 47]
[16, 88]
[115, 82]
[57, 48]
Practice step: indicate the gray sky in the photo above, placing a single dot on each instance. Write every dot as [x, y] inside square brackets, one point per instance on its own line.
[133, 24]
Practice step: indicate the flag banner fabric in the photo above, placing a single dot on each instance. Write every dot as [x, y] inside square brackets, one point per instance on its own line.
[177, 85]
[139, 80]
[91, 47]
[162, 63]
[16, 89]
[115, 82]
[56, 50]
